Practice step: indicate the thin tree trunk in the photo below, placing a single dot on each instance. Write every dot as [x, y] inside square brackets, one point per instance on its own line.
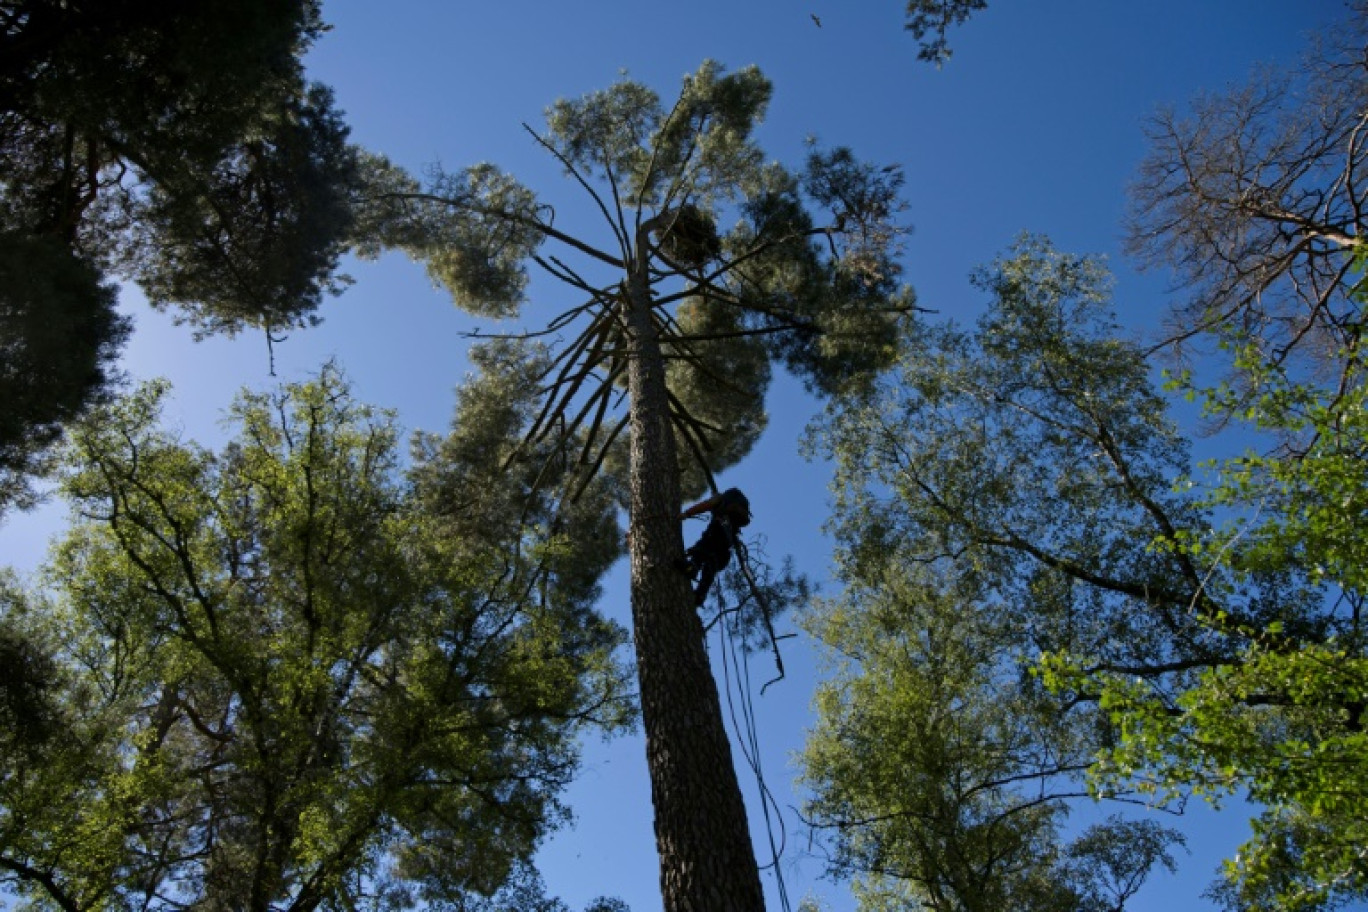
[707, 862]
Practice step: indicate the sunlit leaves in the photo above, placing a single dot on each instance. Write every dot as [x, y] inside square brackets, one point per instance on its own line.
[606, 133]
[1283, 719]
[1314, 494]
[473, 229]
[997, 503]
[690, 202]
[1250, 198]
[939, 772]
[703, 151]
[284, 678]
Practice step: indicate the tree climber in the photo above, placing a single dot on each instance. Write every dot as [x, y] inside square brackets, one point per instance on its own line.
[705, 559]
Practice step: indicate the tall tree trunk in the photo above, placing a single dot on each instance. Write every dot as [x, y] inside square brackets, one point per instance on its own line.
[707, 862]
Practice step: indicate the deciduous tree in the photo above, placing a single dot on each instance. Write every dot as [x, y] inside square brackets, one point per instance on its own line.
[1283, 720]
[936, 779]
[1030, 465]
[1254, 198]
[282, 677]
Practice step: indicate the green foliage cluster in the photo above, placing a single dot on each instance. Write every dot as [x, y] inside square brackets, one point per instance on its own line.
[996, 496]
[178, 146]
[921, 731]
[290, 673]
[709, 264]
[285, 672]
[1283, 720]
[1180, 637]
[822, 299]
[1020, 489]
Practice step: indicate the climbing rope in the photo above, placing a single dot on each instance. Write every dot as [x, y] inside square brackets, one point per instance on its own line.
[736, 679]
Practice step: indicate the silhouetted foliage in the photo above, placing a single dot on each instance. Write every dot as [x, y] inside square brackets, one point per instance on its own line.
[177, 145]
[1253, 199]
[930, 21]
[59, 336]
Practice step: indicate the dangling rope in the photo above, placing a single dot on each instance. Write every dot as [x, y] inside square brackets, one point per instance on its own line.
[743, 562]
[734, 659]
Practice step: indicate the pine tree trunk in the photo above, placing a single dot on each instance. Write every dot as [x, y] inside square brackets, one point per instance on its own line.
[707, 862]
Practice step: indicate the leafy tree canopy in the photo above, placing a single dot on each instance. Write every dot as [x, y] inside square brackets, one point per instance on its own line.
[1253, 200]
[709, 264]
[995, 497]
[175, 145]
[1283, 721]
[821, 298]
[179, 145]
[59, 336]
[1030, 467]
[938, 778]
[286, 676]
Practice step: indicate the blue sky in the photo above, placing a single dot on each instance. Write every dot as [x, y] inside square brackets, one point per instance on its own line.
[1035, 124]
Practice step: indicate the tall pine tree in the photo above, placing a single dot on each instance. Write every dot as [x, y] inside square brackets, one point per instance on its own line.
[684, 318]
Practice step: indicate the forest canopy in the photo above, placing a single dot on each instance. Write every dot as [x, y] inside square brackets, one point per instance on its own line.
[1098, 536]
[279, 675]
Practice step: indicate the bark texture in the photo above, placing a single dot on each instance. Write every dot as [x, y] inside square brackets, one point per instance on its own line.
[707, 861]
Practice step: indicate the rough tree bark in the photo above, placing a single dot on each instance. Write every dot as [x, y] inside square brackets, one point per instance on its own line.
[774, 288]
[707, 860]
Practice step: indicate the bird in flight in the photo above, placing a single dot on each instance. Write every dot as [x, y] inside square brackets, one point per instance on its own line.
[815, 19]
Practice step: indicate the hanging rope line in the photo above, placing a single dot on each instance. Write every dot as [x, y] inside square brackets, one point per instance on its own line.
[733, 626]
[736, 680]
[743, 563]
